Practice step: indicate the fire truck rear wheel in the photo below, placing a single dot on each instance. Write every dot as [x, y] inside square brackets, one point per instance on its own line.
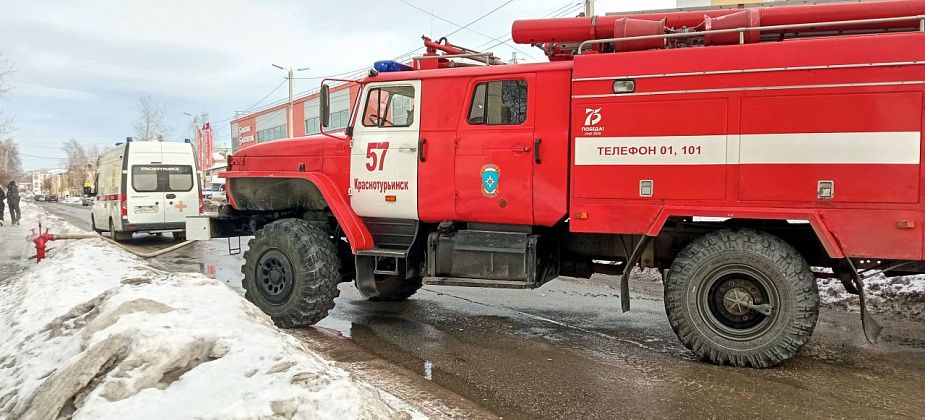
[396, 289]
[741, 297]
[291, 272]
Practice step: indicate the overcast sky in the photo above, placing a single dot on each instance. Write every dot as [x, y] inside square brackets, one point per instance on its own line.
[82, 66]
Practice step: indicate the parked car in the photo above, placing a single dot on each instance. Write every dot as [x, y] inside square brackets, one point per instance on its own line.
[86, 201]
[39, 197]
[212, 190]
[52, 198]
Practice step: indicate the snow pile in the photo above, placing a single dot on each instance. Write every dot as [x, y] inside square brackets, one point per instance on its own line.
[94, 332]
[903, 296]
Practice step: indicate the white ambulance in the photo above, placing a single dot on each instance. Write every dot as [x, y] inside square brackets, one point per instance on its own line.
[146, 187]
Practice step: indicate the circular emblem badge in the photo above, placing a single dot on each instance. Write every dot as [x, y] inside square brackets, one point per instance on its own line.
[491, 180]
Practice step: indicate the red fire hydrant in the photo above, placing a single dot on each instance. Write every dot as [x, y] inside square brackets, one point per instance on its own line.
[41, 240]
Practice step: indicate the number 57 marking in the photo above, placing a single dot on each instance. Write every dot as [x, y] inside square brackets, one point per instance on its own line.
[373, 159]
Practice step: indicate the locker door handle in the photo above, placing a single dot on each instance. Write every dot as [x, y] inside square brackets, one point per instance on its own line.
[421, 155]
[536, 151]
[171, 196]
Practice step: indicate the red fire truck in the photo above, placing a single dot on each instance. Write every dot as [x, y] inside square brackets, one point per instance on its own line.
[731, 149]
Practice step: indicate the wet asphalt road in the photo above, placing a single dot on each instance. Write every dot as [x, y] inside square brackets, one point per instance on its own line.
[566, 351]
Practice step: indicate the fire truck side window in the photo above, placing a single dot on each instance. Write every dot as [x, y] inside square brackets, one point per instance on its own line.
[502, 102]
[391, 106]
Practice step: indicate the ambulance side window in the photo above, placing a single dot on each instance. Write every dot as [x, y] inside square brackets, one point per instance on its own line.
[143, 180]
[502, 102]
[180, 181]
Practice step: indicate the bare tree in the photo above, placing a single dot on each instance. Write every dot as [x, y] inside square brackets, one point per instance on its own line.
[6, 83]
[10, 160]
[80, 161]
[151, 124]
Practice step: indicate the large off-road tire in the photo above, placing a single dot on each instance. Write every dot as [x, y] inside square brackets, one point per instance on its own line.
[719, 269]
[396, 289]
[291, 272]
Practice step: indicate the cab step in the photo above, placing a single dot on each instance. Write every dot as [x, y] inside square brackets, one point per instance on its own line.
[385, 261]
[493, 284]
[384, 252]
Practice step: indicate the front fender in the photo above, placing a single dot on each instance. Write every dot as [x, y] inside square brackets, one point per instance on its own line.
[282, 189]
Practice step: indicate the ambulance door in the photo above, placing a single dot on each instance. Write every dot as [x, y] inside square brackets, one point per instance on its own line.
[181, 193]
[145, 198]
[383, 159]
[494, 154]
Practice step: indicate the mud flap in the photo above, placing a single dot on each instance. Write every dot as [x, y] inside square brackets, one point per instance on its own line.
[625, 278]
[365, 279]
[871, 327]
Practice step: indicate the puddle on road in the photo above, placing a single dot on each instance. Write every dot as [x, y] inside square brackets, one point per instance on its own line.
[207, 257]
[343, 327]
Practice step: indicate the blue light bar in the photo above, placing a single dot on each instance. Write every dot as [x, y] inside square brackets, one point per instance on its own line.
[386, 66]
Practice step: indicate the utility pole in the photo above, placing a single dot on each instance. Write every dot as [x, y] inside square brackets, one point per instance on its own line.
[289, 108]
[589, 8]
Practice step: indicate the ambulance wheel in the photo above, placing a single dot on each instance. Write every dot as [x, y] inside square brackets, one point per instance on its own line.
[118, 236]
[395, 288]
[93, 225]
[741, 297]
[291, 272]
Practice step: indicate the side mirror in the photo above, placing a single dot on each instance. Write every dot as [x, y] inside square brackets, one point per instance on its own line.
[325, 104]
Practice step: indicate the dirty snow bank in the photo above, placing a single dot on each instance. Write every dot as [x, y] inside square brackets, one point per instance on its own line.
[901, 297]
[94, 332]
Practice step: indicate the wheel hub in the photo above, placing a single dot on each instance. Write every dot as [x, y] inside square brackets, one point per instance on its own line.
[737, 301]
[738, 304]
[274, 276]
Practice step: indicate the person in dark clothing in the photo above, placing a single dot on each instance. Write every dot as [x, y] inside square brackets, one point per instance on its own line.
[2, 204]
[12, 200]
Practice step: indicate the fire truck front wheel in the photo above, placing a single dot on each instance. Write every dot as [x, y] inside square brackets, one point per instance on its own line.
[291, 272]
[741, 297]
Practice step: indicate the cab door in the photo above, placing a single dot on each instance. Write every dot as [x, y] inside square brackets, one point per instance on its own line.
[383, 158]
[495, 151]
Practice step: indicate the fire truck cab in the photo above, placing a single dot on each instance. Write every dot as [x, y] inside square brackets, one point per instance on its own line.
[731, 149]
